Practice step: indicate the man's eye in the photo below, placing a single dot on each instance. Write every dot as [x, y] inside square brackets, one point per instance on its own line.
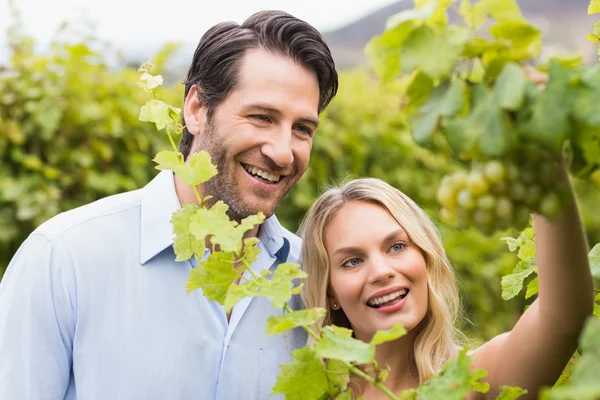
[351, 262]
[263, 118]
[304, 129]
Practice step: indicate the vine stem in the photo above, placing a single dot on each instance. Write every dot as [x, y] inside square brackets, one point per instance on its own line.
[352, 368]
[176, 150]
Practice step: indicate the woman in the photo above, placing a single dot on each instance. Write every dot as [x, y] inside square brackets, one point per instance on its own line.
[385, 263]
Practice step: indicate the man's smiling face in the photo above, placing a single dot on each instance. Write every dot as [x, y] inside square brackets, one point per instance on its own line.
[260, 136]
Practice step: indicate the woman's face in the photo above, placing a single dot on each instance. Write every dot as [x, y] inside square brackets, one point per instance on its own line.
[377, 275]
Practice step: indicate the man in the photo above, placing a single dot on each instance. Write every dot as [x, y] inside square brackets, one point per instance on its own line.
[93, 304]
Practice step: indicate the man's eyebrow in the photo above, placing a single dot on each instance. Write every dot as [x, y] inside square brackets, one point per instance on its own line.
[269, 109]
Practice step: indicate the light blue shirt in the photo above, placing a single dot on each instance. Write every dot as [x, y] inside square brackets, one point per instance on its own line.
[93, 306]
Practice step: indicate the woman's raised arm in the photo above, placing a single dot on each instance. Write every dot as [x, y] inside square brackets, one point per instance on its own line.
[535, 352]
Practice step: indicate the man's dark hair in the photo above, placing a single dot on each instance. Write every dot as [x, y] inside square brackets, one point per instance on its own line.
[217, 58]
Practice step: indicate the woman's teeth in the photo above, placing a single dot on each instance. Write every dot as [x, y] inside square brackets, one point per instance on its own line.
[376, 302]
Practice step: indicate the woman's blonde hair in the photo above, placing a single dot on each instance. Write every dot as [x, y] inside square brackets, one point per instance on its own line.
[437, 341]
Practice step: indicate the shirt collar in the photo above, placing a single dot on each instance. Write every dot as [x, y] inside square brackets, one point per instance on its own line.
[159, 202]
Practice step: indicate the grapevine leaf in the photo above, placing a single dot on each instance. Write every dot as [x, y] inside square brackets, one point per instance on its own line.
[520, 34]
[594, 7]
[431, 52]
[549, 124]
[594, 260]
[408, 394]
[303, 378]
[280, 323]
[587, 99]
[251, 221]
[150, 82]
[214, 276]
[413, 14]
[336, 344]
[278, 289]
[532, 288]
[503, 10]
[591, 77]
[251, 249]
[513, 283]
[338, 376]
[168, 160]
[487, 125]
[476, 384]
[565, 376]
[346, 395]
[384, 51]
[510, 87]
[395, 332]
[198, 170]
[419, 89]
[223, 232]
[185, 245]
[446, 100]
[510, 393]
[455, 375]
[526, 249]
[160, 113]
[474, 15]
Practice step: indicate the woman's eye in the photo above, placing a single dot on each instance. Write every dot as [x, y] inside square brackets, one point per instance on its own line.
[352, 262]
[398, 246]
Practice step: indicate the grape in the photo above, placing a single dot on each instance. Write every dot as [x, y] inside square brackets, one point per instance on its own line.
[448, 215]
[533, 195]
[500, 193]
[483, 221]
[504, 208]
[499, 188]
[512, 171]
[460, 178]
[517, 191]
[477, 183]
[550, 205]
[494, 171]
[464, 198]
[486, 202]
[446, 195]
[528, 175]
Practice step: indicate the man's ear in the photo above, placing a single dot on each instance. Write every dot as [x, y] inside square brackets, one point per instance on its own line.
[194, 111]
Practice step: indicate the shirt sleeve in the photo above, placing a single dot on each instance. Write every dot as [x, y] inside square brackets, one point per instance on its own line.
[37, 323]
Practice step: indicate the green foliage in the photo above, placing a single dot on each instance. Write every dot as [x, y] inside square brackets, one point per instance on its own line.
[510, 393]
[69, 131]
[280, 323]
[471, 91]
[454, 381]
[594, 37]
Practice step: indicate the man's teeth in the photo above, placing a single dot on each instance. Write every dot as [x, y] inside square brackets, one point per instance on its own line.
[263, 174]
[388, 297]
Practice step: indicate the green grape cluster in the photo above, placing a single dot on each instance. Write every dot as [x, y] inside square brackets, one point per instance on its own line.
[500, 193]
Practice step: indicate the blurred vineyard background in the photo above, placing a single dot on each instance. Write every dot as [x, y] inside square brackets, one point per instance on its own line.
[69, 134]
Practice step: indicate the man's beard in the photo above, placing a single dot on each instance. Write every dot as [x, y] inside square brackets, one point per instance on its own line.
[224, 185]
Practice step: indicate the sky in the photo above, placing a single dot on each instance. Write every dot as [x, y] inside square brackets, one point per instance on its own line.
[130, 24]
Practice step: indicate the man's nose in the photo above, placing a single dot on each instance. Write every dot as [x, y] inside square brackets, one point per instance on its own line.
[279, 148]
